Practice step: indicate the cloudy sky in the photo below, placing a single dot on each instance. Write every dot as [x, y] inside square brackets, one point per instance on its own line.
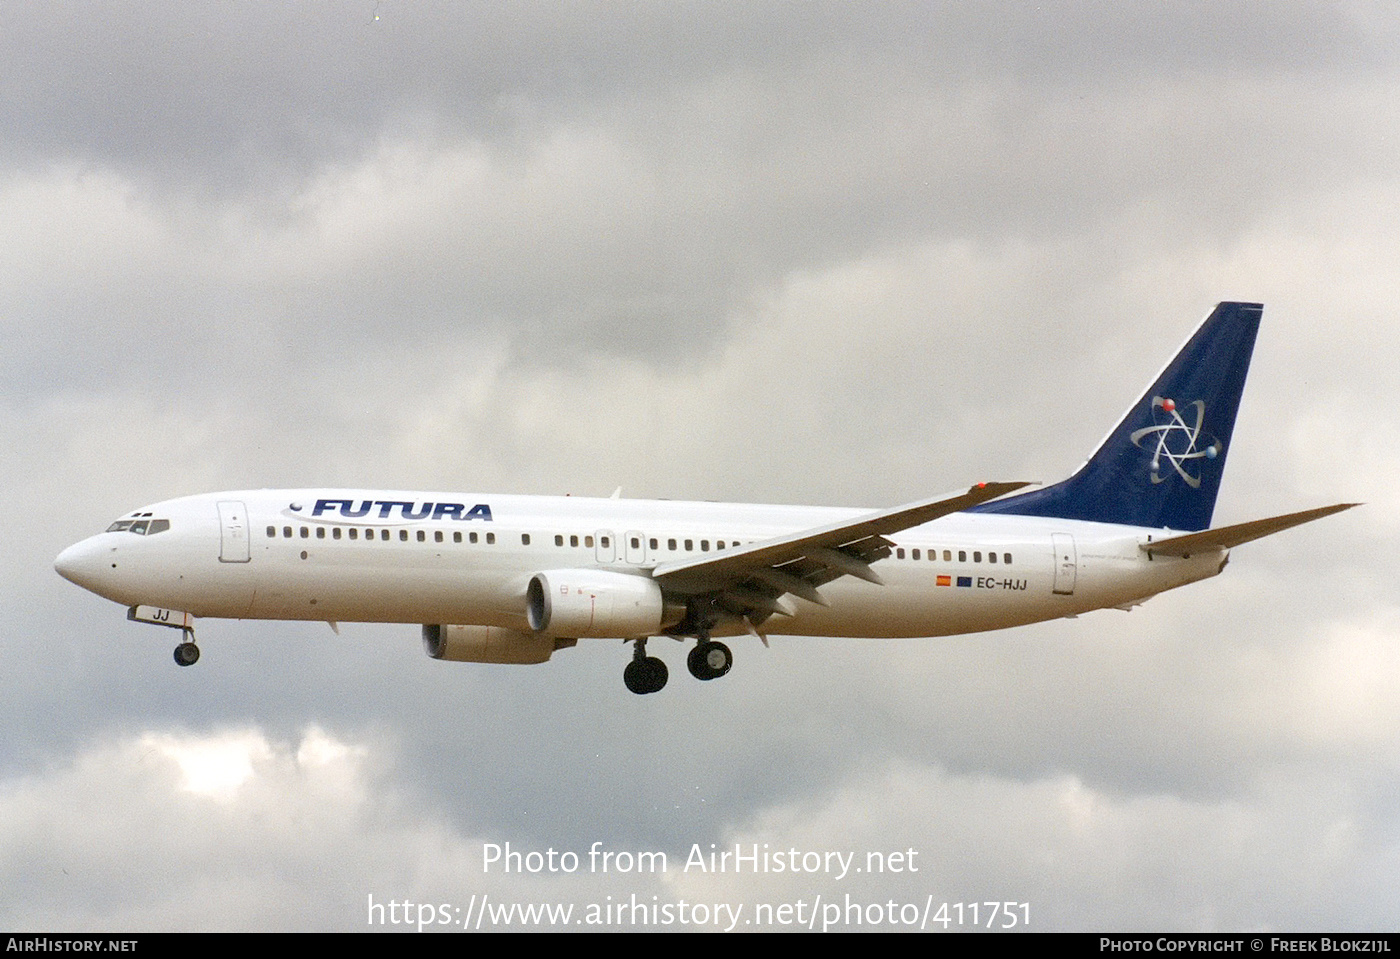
[849, 254]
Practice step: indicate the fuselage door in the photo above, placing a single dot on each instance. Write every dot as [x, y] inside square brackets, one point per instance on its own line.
[606, 550]
[1066, 563]
[233, 532]
[634, 548]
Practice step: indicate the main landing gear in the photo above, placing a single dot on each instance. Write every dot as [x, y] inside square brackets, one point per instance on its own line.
[187, 653]
[709, 660]
[644, 674]
[647, 674]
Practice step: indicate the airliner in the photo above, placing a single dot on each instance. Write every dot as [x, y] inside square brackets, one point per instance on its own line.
[513, 579]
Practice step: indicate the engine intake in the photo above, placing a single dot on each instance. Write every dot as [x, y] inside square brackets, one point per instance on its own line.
[594, 603]
[488, 644]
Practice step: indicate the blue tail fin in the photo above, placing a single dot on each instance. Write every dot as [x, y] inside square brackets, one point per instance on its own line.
[1161, 466]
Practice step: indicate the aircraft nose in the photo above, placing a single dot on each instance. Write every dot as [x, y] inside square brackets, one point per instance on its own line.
[81, 563]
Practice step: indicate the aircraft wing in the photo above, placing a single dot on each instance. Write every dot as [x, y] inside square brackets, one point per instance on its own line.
[751, 581]
[1228, 536]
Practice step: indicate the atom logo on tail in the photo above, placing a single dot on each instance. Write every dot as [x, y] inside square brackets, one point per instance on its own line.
[1177, 440]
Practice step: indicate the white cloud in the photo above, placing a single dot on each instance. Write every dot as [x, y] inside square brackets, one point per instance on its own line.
[227, 830]
[1082, 858]
[236, 829]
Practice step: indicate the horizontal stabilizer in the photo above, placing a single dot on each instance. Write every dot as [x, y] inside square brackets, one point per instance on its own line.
[1227, 536]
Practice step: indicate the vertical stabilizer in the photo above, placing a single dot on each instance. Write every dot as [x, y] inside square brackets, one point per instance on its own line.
[1161, 465]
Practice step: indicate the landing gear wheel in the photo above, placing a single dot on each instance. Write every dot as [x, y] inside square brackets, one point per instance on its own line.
[709, 660]
[645, 675]
[186, 654]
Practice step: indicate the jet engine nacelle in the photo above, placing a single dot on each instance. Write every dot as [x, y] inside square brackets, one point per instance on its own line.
[595, 603]
[488, 644]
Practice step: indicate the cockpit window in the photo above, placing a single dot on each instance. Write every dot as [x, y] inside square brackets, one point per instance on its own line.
[141, 527]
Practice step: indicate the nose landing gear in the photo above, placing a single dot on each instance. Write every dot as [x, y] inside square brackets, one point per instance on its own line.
[187, 653]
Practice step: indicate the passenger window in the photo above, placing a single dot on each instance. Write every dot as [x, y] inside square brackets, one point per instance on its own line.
[305, 532]
[403, 536]
[320, 532]
[354, 533]
[573, 540]
[1006, 558]
[524, 539]
[287, 532]
[899, 553]
[947, 556]
[335, 533]
[991, 557]
[962, 556]
[437, 536]
[636, 543]
[490, 539]
[653, 542]
[472, 537]
[670, 544]
[272, 532]
[689, 545]
[914, 554]
[977, 556]
[422, 536]
[558, 541]
[456, 536]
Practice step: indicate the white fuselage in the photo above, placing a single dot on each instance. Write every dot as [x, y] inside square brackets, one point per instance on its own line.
[416, 557]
